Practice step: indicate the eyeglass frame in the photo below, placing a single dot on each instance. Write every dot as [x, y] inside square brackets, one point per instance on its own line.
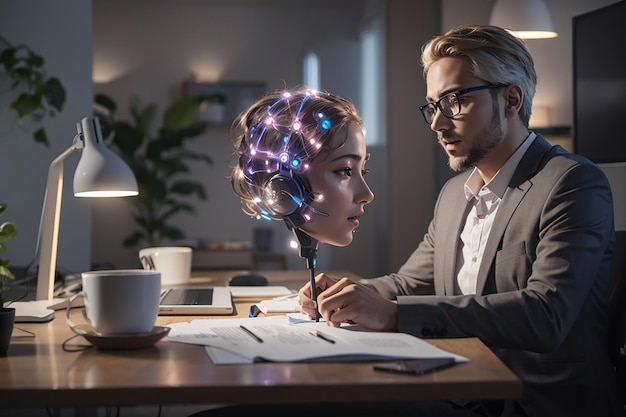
[458, 95]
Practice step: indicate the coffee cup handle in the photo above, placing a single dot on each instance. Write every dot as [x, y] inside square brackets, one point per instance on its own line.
[67, 314]
[147, 263]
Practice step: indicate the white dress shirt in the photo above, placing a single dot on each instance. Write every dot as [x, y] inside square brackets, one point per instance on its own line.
[486, 199]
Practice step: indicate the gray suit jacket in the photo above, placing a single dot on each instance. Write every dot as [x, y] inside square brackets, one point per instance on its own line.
[542, 291]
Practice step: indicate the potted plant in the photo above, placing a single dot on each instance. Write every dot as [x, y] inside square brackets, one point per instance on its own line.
[35, 94]
[7, 314]
[159, 162]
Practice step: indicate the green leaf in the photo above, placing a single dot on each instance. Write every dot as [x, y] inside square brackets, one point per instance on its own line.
[40, 136]
[7, 231]
[145, 119]
[6, 272]
[54, 93]
[37, 95]
[180, 114]
[171, 232]
[194, 155]
[106, 102]
[127, 138]
[185, 187]
[34, 60]
[177, 208]
[26, 104]
[8, 58]
[169, 166]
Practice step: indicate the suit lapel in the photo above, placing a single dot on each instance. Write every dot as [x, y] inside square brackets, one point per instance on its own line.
[519, 185]
[452, 240]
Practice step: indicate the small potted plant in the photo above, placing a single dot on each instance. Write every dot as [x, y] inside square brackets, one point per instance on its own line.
[7, 314]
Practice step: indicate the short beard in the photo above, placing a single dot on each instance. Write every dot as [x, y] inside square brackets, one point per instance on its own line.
[485, 142]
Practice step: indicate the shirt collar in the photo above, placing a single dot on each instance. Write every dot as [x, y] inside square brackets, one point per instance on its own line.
[500, 181]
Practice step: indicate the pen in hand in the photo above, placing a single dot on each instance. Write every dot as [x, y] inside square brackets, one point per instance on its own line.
[314, 295]
[308, 251]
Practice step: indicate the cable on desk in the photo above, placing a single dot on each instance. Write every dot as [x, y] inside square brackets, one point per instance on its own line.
[74, 348]
[28, 334]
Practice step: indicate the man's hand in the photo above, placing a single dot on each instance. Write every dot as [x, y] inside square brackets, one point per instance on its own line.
[342, 300]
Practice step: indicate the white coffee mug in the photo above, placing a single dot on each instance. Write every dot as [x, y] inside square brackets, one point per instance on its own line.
[173, 262]
[119, 301]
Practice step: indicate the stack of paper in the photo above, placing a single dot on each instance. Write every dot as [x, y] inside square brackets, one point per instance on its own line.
[274, 339]
[284, 304]
[256, 291]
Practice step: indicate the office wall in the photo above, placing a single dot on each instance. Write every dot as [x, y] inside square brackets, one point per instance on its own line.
[65, 43]
[553, 57]
[404, 197]
[151, 55]
[410, 201]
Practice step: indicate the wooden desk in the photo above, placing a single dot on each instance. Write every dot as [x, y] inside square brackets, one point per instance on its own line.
[37, 372]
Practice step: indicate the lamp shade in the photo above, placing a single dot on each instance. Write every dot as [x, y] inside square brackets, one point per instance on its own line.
[526, 19]
[100, 172]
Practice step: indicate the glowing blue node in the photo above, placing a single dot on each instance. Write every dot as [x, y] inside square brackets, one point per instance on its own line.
[295, 163]
[326, 124]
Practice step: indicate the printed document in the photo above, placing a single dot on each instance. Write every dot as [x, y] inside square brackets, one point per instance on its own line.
[275, 339]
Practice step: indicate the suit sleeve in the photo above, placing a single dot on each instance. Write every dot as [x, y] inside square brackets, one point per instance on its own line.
[551, 268]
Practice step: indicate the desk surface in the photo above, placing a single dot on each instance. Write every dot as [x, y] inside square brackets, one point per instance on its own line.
[38, 372]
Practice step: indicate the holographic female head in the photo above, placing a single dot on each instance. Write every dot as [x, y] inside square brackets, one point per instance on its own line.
[276, 140]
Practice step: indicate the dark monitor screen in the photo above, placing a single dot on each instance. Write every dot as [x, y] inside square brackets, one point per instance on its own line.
[600, 84]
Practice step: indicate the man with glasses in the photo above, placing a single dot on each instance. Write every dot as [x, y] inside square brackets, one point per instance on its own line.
[450, 104]
[518, 251]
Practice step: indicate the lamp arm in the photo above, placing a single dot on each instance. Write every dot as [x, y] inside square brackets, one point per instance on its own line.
[47, 239]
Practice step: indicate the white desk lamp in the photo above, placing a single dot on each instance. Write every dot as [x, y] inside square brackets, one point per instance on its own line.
[99, 173]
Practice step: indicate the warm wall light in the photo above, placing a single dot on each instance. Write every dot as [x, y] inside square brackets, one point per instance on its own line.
[99, 173]
[526, 19]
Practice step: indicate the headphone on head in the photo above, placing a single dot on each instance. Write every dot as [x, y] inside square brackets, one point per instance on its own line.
[286, 196]
[275, 150]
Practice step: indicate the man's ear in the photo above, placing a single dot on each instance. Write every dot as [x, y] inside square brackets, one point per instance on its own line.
[513, 97]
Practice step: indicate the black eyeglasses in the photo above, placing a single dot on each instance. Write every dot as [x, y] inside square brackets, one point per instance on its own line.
[450, 104]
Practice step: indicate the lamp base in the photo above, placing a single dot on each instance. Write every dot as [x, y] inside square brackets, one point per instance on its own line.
[41, 310]
[32, 311]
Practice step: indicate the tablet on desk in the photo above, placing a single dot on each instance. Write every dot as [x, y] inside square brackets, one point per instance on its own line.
[196, 301]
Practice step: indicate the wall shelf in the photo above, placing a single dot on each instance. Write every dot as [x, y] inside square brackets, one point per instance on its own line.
[239, 95]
